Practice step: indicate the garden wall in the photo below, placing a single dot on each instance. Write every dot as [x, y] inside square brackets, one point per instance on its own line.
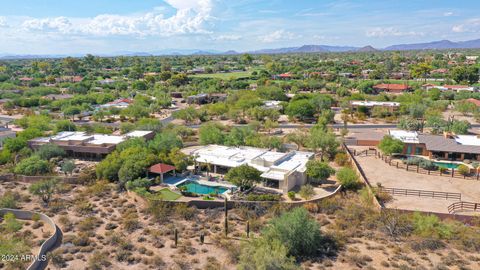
[203, 204]
[48, 245]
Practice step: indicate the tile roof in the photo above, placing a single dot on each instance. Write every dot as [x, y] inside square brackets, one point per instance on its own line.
[392, 86]
[161, 168]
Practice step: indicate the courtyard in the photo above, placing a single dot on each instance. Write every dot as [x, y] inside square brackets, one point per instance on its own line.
[388, 176]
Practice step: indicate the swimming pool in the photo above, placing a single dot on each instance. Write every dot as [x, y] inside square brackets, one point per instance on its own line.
[447, 165]
[195, 187]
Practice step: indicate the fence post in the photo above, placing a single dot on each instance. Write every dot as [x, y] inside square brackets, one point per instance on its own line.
[453, 171]
[354, 152]
[397, 164]
[175, 232]
[417, 168]
[440, 171]
[429, 171]
[407, 167]
[390, 162]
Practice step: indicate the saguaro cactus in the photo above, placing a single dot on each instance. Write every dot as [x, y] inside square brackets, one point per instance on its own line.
[175, 232]
[226, 217]
[248, 229]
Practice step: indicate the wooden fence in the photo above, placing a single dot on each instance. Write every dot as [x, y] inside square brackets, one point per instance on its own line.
[452, 173]
[463, 207]
[422, 193]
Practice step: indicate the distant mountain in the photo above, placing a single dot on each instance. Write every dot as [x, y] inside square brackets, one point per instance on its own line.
[367, 49]
[436, 45]
[231, 52]
[306, 49]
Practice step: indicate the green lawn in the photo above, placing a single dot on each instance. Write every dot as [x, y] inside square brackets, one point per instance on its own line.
[224, 76]
[167, 195]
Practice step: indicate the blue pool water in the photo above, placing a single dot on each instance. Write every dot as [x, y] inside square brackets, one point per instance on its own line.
[195, 187]
[447, 165]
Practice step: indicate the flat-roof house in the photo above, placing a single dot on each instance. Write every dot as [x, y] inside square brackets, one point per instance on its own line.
[390, 106]
[394, 88]
[81, 144]
[279, 170]
[457, 88]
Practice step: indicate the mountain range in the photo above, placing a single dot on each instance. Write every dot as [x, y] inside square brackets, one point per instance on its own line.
[435, 45]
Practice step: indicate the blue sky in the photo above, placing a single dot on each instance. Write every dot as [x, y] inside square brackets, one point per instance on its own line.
[108, 26]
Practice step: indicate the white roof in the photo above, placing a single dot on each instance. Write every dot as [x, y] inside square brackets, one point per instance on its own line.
[404, 135]
[375, 103]
[96, 139]
[273, 165]
[138, 133]
[468, 140]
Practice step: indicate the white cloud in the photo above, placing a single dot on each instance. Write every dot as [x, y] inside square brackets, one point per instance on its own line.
[227, 37]
[3, 22]
[190, 17]
[279, 35]
[390, 32]
[58, 24]
[448, 14]
[471, 26]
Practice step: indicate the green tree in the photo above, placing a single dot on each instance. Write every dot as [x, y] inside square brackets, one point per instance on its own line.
[300, 109]
[44, 189]
[65, 125]
[33, 165]
[50, 150]
[460, 127]
[318, 170]
[348, 178]
[165, 141]
[211, 133]
[298, 232]
[421, 70]
[322, 140]
[389, 145]
[243, 176]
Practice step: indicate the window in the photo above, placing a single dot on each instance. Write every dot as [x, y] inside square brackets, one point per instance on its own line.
[409, 149]
[418, 150]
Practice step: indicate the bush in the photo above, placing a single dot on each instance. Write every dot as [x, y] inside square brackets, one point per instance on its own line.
[463, 170]
[9, 200]
[306, 192]
[431, 226]
[341, 159]
[50, 150]
[298, 232]
[33, 166]
[318, 170]
[348, 178]
[291, 195]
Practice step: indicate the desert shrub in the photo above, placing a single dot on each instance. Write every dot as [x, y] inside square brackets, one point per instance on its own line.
[184, 211]
[298, 232]
[87, 176]
[341, 159]
[9, 200]
[138, 183]
[431, 244]
[348, 178]
[463, 170]
[306, 192]
[99, 261]
[261, 254]
[291, 195]
[33, 166]
[50, 150]
[10, 223]
[431, 226]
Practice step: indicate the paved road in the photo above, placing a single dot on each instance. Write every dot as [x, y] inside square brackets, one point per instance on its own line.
[282, 126]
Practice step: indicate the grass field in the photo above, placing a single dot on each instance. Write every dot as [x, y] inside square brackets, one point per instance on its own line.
[167, 195]
[224, 76]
